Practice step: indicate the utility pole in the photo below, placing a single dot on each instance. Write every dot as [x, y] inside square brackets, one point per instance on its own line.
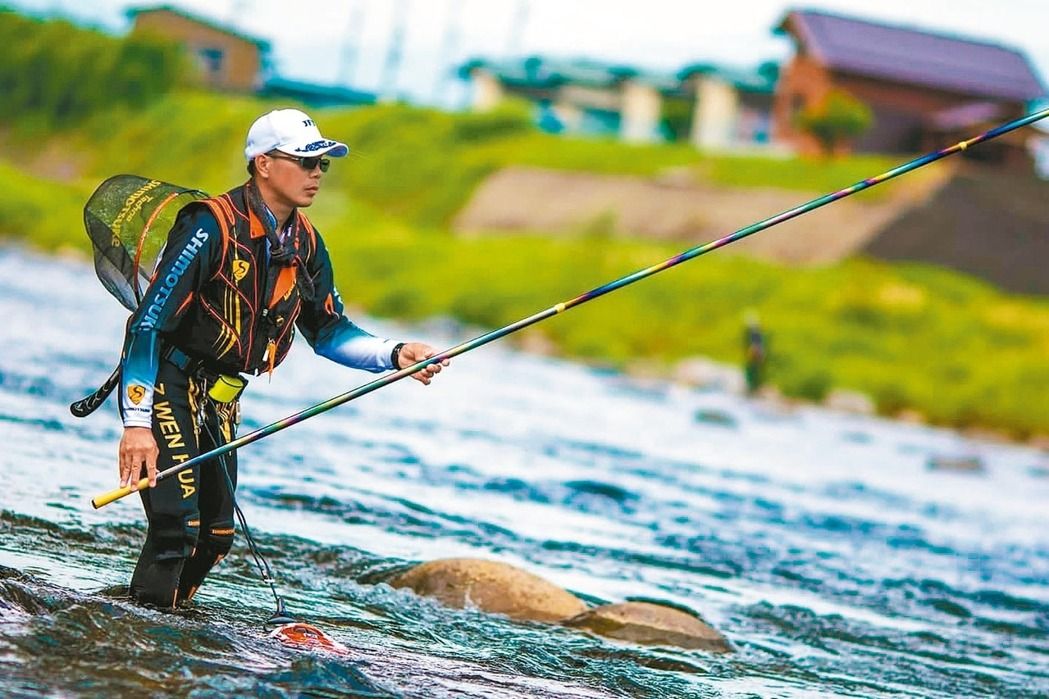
[394, 51]
[517, 28]
[449, 50]
[351, 47]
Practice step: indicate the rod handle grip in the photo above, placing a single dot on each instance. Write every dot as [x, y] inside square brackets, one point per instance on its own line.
[114, 495]
[89, 404]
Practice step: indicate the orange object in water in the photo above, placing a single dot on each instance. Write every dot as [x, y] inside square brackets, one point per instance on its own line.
[307, 637]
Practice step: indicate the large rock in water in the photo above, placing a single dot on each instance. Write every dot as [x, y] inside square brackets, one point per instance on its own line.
[651, 624]
[501, 588]
[493, 587]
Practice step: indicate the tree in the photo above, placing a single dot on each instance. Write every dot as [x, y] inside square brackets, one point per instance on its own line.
[677, 117]
[57, 74]
[835, 121]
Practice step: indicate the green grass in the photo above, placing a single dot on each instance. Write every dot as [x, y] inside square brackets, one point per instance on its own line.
[416, 164]
[815, 175]
[42, 213]
[910, 336]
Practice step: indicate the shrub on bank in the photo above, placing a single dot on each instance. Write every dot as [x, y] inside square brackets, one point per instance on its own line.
[55, 74]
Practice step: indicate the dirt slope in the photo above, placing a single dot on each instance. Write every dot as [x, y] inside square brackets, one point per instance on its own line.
[984, 221]
[519, 199]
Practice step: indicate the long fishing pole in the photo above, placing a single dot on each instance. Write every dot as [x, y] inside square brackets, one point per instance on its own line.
[556, 309]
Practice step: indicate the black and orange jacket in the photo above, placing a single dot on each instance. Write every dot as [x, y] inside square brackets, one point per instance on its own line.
[217, 296]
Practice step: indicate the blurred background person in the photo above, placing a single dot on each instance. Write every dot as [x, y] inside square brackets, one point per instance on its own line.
[755, 353]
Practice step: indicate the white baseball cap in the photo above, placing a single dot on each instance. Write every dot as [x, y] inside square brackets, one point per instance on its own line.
[290, 131]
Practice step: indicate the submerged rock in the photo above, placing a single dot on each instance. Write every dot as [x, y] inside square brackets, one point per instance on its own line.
[1039, 470]
[713, 416]
[852, 402]
[708, 375]
[962, 463]
[490, 586]
[651, 624]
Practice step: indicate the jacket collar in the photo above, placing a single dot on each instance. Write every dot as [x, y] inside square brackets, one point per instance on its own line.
[255, 223]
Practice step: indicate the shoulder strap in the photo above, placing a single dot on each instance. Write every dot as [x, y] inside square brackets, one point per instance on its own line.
[222, 209]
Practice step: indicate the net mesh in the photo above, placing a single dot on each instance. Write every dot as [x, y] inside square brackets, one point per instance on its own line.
[128, 218]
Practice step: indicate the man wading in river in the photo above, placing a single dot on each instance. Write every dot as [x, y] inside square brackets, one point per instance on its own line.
[237, 274]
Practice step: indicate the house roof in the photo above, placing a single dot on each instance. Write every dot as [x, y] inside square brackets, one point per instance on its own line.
[914, 56]
[544, 73]
[262, 44]
[314, 94]
[966, 115]
[759, 80]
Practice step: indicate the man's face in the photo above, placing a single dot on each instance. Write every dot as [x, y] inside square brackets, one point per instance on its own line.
[290, 180]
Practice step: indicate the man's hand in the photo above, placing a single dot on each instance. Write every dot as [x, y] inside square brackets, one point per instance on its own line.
[138, 447]
[414, 352]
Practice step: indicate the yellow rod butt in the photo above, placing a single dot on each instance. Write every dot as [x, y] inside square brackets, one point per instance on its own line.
[114, 495]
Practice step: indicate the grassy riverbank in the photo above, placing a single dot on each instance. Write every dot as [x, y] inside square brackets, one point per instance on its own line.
[914, 337]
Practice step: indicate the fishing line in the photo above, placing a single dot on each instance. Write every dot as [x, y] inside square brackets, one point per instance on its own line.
[280, 616]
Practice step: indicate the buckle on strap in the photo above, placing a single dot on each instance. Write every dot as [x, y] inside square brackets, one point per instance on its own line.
[178, 358]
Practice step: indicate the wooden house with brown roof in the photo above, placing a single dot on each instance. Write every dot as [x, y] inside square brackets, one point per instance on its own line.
[926, 89]
[227, 59]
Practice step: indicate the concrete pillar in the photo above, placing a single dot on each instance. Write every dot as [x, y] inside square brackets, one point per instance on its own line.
[488, 91]
[1039, 148]
[714, 118]
[640, 112]
[569, 114]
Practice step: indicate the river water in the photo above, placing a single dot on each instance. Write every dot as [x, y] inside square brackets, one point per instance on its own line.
[824, 548]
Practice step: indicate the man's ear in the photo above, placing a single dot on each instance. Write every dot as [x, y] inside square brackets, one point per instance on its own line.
[262, 166]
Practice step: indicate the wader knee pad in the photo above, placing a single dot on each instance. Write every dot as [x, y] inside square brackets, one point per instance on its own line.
[218, 539]
[175, 537]
[215, 542]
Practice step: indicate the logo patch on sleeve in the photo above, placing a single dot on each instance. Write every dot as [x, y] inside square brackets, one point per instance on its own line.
[136, 393]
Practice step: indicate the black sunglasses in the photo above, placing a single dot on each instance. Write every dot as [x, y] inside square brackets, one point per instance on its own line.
[307, 164]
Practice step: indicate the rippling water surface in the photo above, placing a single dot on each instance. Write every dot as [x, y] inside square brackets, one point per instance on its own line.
[821, 545]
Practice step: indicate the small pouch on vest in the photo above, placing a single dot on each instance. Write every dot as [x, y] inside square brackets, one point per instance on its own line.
[225, 389]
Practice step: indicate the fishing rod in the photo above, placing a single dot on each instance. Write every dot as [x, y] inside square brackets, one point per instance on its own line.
[556, 309]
